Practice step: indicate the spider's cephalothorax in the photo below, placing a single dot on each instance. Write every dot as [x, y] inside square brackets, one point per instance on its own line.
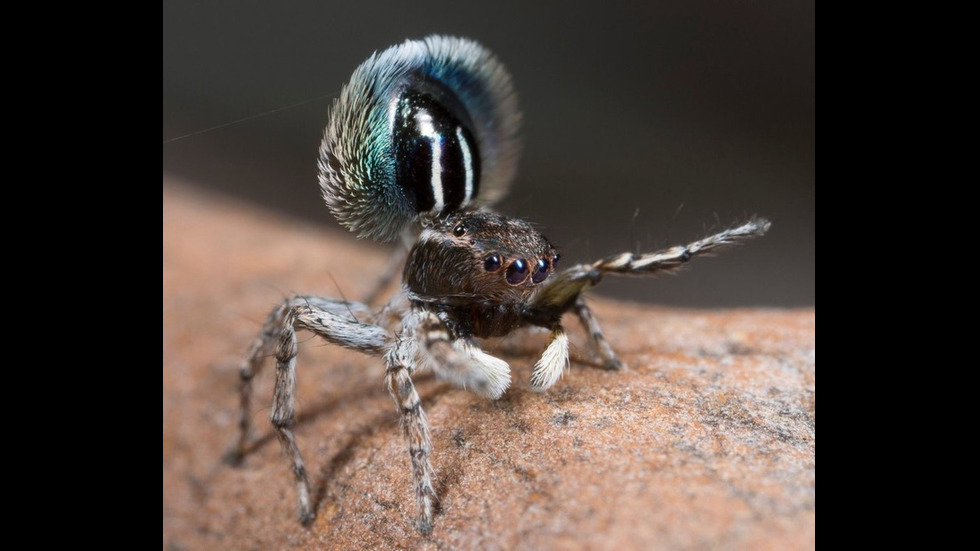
[478, 257]
[420, 142]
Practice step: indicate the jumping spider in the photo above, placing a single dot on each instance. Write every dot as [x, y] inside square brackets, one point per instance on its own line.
[413, 138]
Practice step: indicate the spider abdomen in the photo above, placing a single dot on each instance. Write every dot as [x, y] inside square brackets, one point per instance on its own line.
[437, 159]
[423, 128]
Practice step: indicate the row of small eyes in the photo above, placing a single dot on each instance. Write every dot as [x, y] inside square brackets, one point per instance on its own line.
[519, 268]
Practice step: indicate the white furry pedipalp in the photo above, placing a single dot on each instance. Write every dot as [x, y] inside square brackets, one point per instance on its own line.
[553, 362]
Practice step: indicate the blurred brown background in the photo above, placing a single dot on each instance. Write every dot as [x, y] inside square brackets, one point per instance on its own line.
[646, 123]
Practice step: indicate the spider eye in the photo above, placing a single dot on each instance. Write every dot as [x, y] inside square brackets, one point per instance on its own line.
[517, 271]
[492, 263]
[540, 271]
[459, 230]
[554, 261]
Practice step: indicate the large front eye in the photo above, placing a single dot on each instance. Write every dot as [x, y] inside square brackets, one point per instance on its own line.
[517, 271]
[540, 271]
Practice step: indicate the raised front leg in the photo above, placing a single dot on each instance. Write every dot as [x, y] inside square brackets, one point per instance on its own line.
[675, 257]
[563, 292]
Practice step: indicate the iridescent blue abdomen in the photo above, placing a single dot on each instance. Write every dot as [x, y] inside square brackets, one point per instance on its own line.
[421, 129]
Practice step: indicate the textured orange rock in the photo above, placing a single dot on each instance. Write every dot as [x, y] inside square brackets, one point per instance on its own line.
[707, 440]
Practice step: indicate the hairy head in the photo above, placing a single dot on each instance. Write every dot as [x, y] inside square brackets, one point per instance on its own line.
[478, 255]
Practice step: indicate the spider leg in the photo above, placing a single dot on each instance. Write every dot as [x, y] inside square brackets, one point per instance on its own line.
[415, 429]
[562, 292]
[357, 311]
[262, 347]
[595, 335]
[563, 289]
[257, 352]
[333, 320]
[674, 257]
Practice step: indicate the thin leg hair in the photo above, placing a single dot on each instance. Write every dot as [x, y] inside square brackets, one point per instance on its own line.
[415, 430]
[333, 320]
